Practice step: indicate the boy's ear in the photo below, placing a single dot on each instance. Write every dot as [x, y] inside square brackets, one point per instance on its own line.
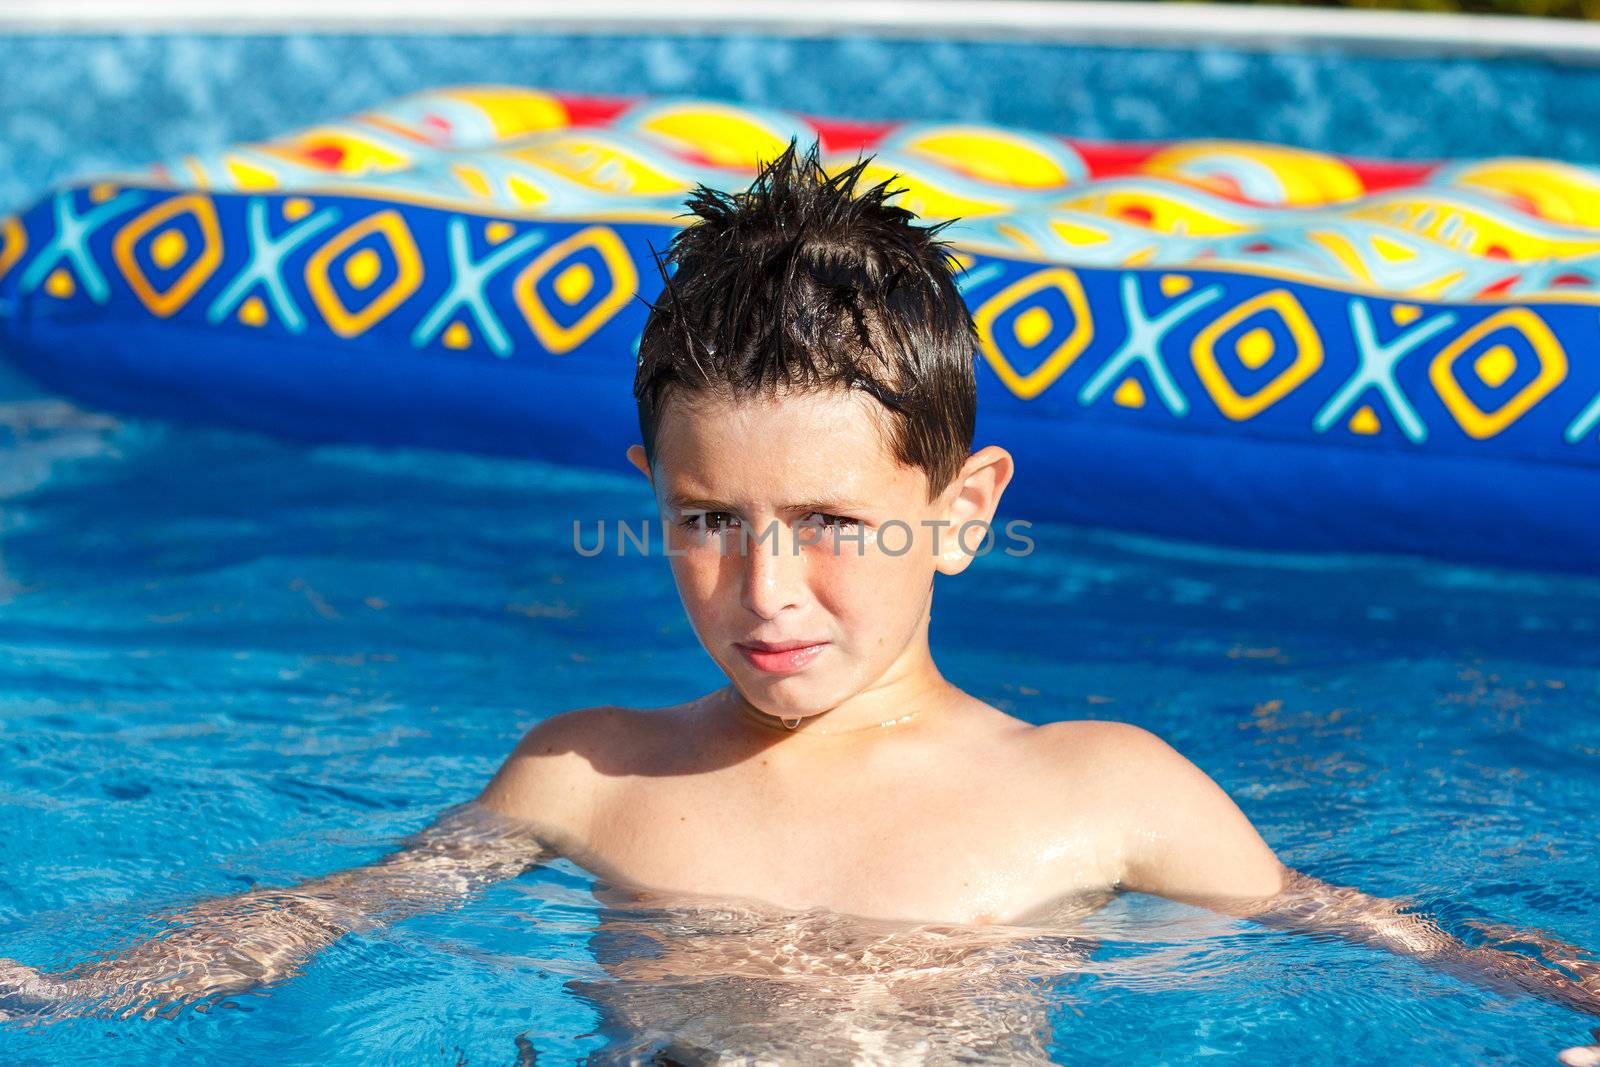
[636, 456]
[973, 497]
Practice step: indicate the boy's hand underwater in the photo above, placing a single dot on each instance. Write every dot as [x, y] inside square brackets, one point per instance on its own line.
[1583, 1055]
[225, 946]
[1588, 974]
[1571, 977]
[238, 943]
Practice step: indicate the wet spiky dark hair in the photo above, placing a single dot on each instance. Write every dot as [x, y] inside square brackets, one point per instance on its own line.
[798, 282]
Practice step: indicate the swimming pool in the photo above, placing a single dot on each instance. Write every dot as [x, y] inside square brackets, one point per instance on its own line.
[227, 661]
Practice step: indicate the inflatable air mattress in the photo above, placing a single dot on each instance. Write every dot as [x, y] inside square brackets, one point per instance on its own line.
[1241, 343]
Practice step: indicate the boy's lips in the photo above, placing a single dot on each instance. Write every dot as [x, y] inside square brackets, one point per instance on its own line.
[780, 657]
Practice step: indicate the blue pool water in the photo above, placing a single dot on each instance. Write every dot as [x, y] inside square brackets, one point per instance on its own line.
[230, 662]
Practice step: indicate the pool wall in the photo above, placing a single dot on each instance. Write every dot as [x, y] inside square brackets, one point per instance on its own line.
[80, 103]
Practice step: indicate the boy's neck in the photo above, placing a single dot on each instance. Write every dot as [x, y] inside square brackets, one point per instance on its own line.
[911, 694]
[771, 722]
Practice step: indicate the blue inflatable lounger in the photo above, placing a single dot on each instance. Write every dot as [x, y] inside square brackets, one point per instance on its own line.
[1240, 343]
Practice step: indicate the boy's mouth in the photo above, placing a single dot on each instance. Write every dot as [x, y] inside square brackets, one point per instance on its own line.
[780, 657]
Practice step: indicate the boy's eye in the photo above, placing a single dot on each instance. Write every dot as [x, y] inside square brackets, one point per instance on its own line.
[706, 520]
[822, 518]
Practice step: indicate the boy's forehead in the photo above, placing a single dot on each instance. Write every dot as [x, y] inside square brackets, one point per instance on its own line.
[819, 444]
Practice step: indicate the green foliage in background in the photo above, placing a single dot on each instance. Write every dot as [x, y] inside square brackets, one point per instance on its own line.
[1570, 9]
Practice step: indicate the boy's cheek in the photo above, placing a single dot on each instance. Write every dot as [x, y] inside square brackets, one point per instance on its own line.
[872, 584]
[699, 580]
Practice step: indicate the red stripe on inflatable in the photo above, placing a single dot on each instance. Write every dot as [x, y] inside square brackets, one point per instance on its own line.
[1380, 174]
[588, 110]
[1105, 159]
[1113, 159]
[838, 135]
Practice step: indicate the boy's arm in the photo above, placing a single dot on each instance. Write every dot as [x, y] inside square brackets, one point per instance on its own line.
[232, 944]
[1187, 840]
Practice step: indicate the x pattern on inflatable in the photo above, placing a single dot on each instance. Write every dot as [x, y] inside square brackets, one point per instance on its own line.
[460, 268]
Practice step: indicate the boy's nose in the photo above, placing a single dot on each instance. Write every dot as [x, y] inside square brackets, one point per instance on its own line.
[774, 571]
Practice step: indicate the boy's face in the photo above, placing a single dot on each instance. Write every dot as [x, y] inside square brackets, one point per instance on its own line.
[771, 465]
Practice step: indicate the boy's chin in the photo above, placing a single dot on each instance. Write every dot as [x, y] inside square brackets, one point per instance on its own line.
[788, 697]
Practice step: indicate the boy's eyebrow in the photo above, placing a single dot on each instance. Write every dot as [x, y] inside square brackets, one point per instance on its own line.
[828, 505]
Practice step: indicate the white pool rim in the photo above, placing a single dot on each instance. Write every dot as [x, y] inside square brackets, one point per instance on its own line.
[1072, 21]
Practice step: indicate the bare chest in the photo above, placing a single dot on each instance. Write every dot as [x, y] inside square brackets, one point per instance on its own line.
[966, 850]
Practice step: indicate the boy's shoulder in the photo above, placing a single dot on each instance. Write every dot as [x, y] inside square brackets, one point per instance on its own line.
[1168, 826]
[1104, 746]
[562, 751]
[562, 760]
[1124, 764]
[1184, 836]
[548, 778]
[1108, 765]
[557, 763]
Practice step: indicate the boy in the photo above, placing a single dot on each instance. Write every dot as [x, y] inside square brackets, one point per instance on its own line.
[806, 385]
